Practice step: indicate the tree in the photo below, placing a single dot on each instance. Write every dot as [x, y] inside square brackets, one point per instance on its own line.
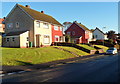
[67, 38]
[111, 35]
[118, 35]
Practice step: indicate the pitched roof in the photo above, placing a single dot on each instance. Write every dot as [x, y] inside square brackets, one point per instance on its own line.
[39, 16]
[99, 30]
[81, 25]
[92, 30]
[1, 20]
[15, 33]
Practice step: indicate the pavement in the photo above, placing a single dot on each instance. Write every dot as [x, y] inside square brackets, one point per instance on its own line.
[10, 69]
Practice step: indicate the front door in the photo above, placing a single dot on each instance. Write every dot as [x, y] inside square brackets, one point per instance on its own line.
[38, 40]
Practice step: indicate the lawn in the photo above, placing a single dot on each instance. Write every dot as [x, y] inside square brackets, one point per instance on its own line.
[103, 47]
[25, 56]
[86, 46]
[75, 50]
[0, 40]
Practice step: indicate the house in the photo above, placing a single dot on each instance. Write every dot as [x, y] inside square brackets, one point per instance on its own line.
[79, 33]
[2, 28]
[99, 35]
[25, 27]
[57, 34]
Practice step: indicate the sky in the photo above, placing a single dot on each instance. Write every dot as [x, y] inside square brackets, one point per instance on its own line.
[90, 14]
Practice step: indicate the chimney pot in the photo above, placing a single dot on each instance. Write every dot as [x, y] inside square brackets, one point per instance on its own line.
[42, 11]
[4, 17]
[27, 6]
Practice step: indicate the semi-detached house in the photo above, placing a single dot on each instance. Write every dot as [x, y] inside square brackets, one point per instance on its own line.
[26, 26]
[79, 33]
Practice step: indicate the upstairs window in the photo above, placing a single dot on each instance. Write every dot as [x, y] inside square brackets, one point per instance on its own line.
[0, 25]
[38, 24]
[87, 32]
[17, 24]
[68, 33]
[60, 28]
[45, 25]
[9, 25]
[27, 38]
[73, 33]
[55, 27]
[96, 36]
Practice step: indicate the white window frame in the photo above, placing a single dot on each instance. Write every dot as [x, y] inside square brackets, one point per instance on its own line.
[46, 25]
[38, 24]
[55, 27]
[56, 37]
[61, 28]
[27, 38]
[0, 25]
[48, 38]
[17, 25]
[61, 38]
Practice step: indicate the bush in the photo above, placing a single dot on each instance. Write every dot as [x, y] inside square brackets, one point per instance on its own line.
[92, 42]
[67, 38]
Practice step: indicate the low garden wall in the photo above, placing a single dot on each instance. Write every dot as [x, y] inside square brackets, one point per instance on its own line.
[76, 46]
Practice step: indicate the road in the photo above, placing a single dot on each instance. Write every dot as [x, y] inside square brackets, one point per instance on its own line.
[103, 69]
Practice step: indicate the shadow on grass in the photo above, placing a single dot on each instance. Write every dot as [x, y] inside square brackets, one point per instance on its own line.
[23, 63]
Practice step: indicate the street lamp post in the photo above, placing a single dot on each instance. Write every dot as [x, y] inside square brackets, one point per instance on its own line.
[103, 32]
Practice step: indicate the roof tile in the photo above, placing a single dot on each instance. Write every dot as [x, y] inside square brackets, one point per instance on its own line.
[40, 16]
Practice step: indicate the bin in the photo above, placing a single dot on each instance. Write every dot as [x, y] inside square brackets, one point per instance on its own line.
[30, 44]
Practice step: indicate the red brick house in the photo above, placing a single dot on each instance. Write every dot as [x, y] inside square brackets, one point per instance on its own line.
[2, 26]
[78, 33]
[57, 34]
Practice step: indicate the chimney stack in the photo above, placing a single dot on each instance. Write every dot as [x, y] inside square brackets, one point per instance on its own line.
[4, 17]
[42, 11]
[27, 6]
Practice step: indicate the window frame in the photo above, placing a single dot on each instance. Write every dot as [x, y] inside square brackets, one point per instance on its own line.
[7, 39]
[73, 33]
[1, 25]
[96, 36]
[68, 33]
[13, 38]
[45, 25]
[48, 37]
[9, 25]
[57, 37]
[56, 27]
[61, 29]
[37, 23]
[27, 38]
[17, 24]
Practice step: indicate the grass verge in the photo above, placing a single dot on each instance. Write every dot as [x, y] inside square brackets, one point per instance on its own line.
[103, 47]
[29, 56]
[86, 46]
[75, 50]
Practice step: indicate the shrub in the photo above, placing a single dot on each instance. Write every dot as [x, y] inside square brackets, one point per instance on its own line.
[67, 38]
